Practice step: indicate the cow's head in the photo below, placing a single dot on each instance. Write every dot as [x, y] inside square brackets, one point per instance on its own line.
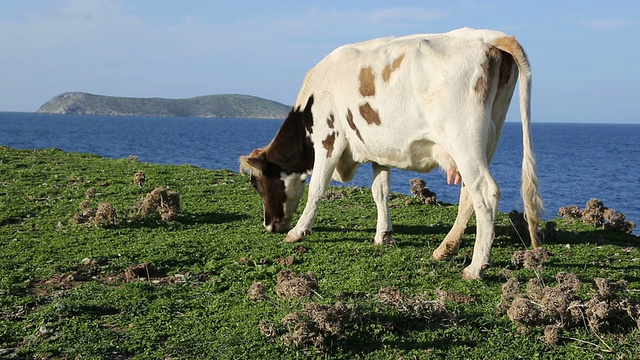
[280, 191]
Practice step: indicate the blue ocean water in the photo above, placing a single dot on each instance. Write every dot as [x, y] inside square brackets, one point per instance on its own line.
[576, 162]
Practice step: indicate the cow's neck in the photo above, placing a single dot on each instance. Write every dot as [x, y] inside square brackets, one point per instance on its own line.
[292, 148]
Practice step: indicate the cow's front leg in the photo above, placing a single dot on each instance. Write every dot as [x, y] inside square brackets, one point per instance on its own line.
[451, 243]
[323, 169]
[380, 190]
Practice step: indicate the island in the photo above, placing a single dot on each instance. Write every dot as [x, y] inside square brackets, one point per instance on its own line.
[219, 106]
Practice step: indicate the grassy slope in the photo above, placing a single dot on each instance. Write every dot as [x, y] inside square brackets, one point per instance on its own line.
[210, 316]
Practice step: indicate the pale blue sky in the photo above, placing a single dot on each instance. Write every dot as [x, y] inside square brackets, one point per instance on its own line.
[585, 55]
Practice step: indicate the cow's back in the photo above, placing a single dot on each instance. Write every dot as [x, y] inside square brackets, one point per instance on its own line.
[394, 97]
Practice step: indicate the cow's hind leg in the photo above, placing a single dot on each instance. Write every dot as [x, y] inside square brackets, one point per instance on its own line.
[380, 190]
[451, 243]
[485, 195]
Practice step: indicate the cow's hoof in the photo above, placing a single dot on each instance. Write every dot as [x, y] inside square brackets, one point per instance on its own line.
[294, 236]
[474, 274]
[385, 239]
[442, 255]
[446, 251]
[469, 275]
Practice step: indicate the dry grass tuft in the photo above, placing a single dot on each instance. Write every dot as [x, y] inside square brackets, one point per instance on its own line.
[257, 292]
[315, 324]
[596, 214]
[105, 216]
[530, 259]
[552, 334]
[292, 286]
[560, 308]
[419, 307]
[320, 327]
[166, 203]
[335, 194]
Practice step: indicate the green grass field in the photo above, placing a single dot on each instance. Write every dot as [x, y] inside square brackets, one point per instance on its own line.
[144, 288]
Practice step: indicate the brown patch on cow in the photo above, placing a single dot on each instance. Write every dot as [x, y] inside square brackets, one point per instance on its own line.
[291, 150]
[390, 68]
[367, 82]
[481, 86]
[370, 115]
[330, 121]
[328, 143]
[352, 125]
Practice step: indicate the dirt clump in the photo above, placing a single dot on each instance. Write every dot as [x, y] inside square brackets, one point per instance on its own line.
[419, 306]
[510, 291]
[618, 222]
[335, 194]
[456, 297]
[419, 189]
[519, 230]
[140, 271]
[550, 234]
[166, 203]
[321, 327]
[91, 192]
[139, 178]
[257, 291]
[292, 286]
[104, 216]
[570, 212]
[560, 307]
[85, 215]
[596, 214]
[300, 249]
[267, 329]
[315, 325]
[530, 259]
[286, 261]
[552, 334]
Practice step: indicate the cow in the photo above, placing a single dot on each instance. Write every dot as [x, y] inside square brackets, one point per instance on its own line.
[415, 102]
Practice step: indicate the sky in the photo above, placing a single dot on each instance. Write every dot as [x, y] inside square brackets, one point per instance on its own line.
[585, 55]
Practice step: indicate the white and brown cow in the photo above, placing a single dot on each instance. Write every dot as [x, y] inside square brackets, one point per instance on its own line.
[415, 102]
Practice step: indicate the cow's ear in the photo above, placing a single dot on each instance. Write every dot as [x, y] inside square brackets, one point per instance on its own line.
[254, 165]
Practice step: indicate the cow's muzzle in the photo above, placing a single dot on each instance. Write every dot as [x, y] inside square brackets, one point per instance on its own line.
[278, 227]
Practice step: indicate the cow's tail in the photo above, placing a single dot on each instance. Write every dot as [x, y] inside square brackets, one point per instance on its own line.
[533, 208]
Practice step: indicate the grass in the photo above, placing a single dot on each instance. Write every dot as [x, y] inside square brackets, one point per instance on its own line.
[193, 301]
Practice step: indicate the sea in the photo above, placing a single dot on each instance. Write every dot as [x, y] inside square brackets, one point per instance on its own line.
[576, 162]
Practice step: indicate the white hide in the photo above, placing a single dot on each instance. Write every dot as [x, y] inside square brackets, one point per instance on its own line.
[431, 115]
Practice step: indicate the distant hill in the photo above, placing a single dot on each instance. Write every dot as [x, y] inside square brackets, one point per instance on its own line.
[223, 106]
